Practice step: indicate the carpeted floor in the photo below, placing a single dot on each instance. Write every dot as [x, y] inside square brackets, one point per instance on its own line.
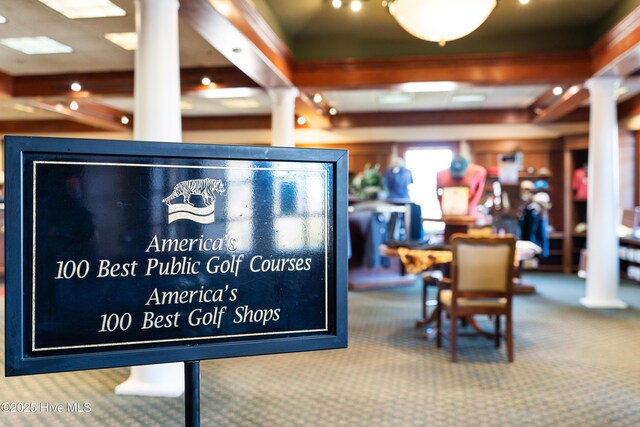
[574, 367]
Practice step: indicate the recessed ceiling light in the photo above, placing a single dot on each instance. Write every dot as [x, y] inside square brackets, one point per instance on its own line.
[36, 45]
[229, 92]
[242, 103]
[24, 108]
[524, 1]
[336, 3]
[124, 120]
[76, 87]
[317, 98]
[301, 121]
[205, 81]
[356, 5]
[394, 98]
[557, 90]
[438, 86]
[74, 105]
[3, 20]
[622, 90]
[184, 105]
[75, 9]
[468, 97]
[333, 111]
[574, 89]
[127, 41]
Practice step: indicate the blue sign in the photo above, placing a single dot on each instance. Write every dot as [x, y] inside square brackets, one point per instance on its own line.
[125, 253]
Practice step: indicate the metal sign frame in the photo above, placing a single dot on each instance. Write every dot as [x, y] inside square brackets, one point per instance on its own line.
[20, 361]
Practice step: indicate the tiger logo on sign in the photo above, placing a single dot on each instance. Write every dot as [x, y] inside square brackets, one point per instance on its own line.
[205, 188]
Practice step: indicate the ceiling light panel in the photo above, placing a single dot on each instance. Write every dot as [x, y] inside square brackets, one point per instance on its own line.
[36, 45]
[79, 9]
[127, 41]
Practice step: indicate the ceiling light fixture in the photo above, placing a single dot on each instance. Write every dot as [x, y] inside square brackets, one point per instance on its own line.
[36, 45]
[356, 5]
[3, 20]
[437, 86]
[468, 97]
[440, 20]
[573, 90]
[337, 4]
[301, 121]
[333, 111]
[74, 9]
[124, 120]
[76, 87]
[524, 1]
[127, 41]
[74, 105]
[205, 81]
[557, 91]
[317, 98]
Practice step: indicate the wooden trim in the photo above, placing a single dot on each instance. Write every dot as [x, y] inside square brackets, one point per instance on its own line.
[121, 82]
[636, 169]
[629, 108]
[226, 123]
[576, 142]
[44, 126]
[238, 31]
[6, 85]
[551, 68]
[96, 115]
[618, 51]
[513, 145]
[426, 118]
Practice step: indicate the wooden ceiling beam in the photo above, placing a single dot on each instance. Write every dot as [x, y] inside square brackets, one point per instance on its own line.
[570, 101]
[226, 123]
[496, 69]
[617, 53]
[241, 34]
[89, 113]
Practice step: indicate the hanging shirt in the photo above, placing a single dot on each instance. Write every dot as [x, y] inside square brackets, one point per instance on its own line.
[396, 181]
[580, 184]
[474, 178]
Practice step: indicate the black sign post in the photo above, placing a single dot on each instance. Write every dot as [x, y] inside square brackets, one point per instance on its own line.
[122, 253]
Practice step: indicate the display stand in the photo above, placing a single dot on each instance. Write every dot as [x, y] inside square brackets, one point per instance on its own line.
[192, 393]
[457, 224]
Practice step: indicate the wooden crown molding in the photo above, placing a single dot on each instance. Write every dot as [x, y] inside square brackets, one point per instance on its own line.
[618, 51]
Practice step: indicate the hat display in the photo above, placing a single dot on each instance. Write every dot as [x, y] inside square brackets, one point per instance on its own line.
[544, 172]
[458, 167]
[540, 184]
[526, 185]
[542, 198]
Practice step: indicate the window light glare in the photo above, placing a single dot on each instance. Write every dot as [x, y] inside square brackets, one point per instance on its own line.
[336, 3]
[75, 9]
[76, 87]
[127, 41]
[356, 5]
[36, 45]
[73, 105]
[301, 121]
[557, 90]
[124, 120]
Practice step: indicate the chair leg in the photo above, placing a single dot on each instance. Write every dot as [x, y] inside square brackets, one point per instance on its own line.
[453, 340]
[509, 338]
[497, 331]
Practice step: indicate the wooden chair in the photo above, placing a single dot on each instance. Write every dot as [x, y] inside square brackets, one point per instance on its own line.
[481, 283]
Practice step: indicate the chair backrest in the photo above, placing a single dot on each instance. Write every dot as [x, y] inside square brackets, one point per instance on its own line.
[483, 264]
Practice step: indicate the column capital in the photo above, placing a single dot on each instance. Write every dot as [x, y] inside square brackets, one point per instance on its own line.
[603, 82]
[280, 94]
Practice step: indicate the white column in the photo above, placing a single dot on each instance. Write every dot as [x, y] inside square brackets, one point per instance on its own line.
[603, 269]
[283, 103]
[157, 118]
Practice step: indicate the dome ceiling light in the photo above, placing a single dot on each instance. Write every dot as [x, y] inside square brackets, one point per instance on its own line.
[440, 21]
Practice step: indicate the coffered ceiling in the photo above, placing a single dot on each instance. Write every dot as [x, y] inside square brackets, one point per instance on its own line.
[504, 72]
